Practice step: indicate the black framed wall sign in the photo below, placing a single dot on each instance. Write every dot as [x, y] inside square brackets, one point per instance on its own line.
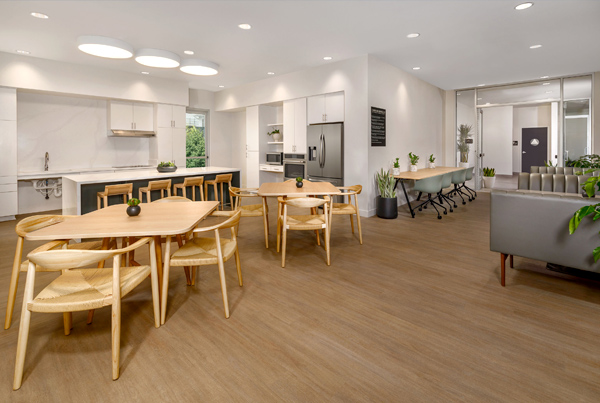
[377, 127]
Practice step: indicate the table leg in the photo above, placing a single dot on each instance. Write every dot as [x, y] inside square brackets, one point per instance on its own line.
[157, 240]
[412, 213]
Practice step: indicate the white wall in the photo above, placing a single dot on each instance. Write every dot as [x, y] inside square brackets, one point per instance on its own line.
[497, 139]
[528, 117]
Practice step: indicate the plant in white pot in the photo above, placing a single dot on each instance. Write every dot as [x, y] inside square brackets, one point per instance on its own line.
[431, 161]
[396, 168]
[414, 160]
[387, 202]
[489, 177]
[464, 133]
[276, 134]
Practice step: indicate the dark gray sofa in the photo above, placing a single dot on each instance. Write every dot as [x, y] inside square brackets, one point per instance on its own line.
[536, 225]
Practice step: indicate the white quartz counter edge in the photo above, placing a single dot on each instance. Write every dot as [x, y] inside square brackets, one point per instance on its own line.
[60, 173]
[144, 174]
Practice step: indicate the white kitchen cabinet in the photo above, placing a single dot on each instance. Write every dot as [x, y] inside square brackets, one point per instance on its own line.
[164, 144]
[294, 126]
[326, 108]
[178, 135]
[8, 104]
[8, 145]
[252, 129]
[8, 204]
[143, 117]
[131, 116]
[252, 169]
[170, 116]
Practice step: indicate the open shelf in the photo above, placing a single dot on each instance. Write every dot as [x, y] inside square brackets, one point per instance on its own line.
[275, 124]
[275, 142]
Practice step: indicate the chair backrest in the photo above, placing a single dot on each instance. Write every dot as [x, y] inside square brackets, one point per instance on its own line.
[36, 222]
[432, 184]
[547, 182]
[551, 170]
[122, 189]
[535, 182]
[236, 194]
[459, 177]
[542, 170]
[534, 170]
[231, 222]
[158, 185]
[172, 199]
[569, 171]
[304, 202]
[223, 178]
[469, 173]
[558, 183]
[446, 180]
[350, 190]
[193, 181]
[571, 184]
[523, 183]
[560, 170]
[63, 259]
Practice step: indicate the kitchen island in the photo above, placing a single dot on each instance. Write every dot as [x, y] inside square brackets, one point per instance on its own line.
[79, 191]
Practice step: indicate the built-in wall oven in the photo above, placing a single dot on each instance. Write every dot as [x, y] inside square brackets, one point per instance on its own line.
[294, 165]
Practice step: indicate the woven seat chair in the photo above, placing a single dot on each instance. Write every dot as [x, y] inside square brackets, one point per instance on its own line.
[348, 208]
[237, 196]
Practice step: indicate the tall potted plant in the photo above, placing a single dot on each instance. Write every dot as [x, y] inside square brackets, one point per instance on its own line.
[414, 160]
[464, 133]
[387, 202]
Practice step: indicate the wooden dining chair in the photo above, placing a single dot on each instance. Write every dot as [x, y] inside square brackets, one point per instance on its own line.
[162, 186]
[220, 180]
[81, 288]
[312, 222]
[349, 208]
[125, 190]
[201, 251]
[24, 227]
[261, 209]
[190, 182]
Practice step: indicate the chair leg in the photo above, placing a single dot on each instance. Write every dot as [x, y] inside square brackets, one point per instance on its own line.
[238, 266]
[266, 221]
[68, 322]
[351, 223]
[327, 247]
[186, 269]
[511, 261]
[206, 191]
[193, 193]
[502, 269]
[222, 199]
[194, 271]
[98, 202]
[116, 318]
[217, 195]
[90, 317]
[14, 283]
[283, 246]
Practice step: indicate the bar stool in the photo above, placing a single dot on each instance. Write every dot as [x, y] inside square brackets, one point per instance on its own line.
[219, 180]
[190, 182]
[162, 185]
[125, 189]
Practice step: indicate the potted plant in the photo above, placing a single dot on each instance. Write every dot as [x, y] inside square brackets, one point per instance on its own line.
[387, 202]
[489, 177]
[299, 182]
[431, 161]
[276, 135]
[414, 159]
[396, 169]
[133, 207]
[166, 167]
[464, 133]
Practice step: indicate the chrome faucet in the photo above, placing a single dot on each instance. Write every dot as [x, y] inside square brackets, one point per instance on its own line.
[46, 160]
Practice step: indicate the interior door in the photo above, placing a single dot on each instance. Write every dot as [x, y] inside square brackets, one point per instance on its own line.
[534, 146]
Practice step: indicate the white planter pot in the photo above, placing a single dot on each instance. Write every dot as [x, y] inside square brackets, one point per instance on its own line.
[413, 168]
[431, 165]
[488, 181]
[463, 164]
[395, 171]
[277, 136]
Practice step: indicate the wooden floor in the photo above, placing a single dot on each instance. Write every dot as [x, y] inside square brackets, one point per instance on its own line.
[416, 314]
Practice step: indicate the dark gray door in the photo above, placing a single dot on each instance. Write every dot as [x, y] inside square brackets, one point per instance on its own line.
[534, 147]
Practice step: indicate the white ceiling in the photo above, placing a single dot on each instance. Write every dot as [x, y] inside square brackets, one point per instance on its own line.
[462, 43]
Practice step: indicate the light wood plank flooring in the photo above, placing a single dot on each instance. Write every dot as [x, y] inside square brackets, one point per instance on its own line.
[416, 314]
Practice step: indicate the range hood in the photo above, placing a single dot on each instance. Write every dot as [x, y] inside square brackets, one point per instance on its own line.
[131, 133]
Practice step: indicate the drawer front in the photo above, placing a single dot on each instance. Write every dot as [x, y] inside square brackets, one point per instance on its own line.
[11, 179]
[8, 204]
[11, 187]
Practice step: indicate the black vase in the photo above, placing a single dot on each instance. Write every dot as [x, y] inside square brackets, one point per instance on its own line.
[387, 207]
[299, 184]
[132, 211]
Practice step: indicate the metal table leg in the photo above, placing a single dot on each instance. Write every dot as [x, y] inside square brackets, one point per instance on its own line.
[412, 213]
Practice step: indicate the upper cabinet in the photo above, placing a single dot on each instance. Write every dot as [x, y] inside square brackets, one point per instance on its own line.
[8, 104]
[252, 128]
[294, 126]
[170, 116]
[326, 108]
[131, 116]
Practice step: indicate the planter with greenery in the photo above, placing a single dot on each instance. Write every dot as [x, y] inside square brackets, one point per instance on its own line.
[589, 187]
[489, 177]
[396, 169]
[464, 133]
[414, 160]
[387, 202]
[166, 167]
[133, 207]
[431, 161]
[276, 134]
[299, 182]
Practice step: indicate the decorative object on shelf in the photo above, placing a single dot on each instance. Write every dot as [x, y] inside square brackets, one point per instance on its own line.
[166, 167]
[463, 141]
[396, 169]
[299, 182]
[431, 161]
[276, 135]
[387, 202]
[133, 207]
[489, 177]
[414, 160]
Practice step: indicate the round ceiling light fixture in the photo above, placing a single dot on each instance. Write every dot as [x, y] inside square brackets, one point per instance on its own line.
[546, 84]
[245, 26]
[103, 46]
[145, 72]
[416, 68]
[535, 46]
[542, 77]
[39, 15]
[23, 52]
[271, 73]
[523, 6]
[221, 86]
[163, 59]
[188, 52]
[199, 67]
[414, 35]
[481, 85]
[327, 58]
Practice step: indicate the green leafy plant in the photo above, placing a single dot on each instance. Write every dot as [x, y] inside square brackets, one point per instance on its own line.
[489, 172]
[273, 132]
[299, 179]
[386, 184]
[431, 158]
[414, 159]
[166, 164]
[549, 164]
[586, 161]
[133, 202]
[397, 163]
[464, 133]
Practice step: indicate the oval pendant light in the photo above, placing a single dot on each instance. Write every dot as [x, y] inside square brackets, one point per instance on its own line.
[157, 58]
[103, 46]
[199, 67]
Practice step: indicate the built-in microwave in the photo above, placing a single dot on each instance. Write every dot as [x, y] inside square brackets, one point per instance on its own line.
[275, 158]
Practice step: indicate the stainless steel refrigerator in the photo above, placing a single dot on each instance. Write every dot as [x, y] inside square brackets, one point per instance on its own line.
[326, 153]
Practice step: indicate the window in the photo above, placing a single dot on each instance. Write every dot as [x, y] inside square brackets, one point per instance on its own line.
[195, 139]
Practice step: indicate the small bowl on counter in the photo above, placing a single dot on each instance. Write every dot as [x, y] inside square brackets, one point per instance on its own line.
[166, 169]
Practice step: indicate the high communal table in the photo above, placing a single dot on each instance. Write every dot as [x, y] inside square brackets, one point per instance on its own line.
[418, 175]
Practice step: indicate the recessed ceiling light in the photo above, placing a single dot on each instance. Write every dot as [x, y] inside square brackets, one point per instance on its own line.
[157, 58]
[546, 84]
[103, 46]
[414, 35]
[199, 67]
[39, 15]
[535, 46]
[145, 72]
[327, 58]
[542, 77]
[523, 6]
[481, 85]
[416, 68]
[188, 52]
[245, 26]
[23, 52]
[270, 73]
[221, 86]
[548, 92]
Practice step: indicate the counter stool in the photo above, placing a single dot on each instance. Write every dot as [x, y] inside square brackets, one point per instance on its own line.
[190, 182]
[163, 185]
[219, 180]
[125, 189]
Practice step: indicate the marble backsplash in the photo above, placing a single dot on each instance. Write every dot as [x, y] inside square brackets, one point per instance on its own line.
[73, 131]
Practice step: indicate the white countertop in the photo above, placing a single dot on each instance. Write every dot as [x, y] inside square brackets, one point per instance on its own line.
[151, 173]
[59, 173]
